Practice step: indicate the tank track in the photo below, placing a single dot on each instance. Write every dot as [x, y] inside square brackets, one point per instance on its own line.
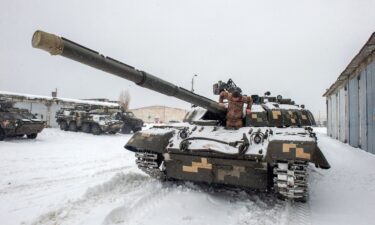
[150, 163]
[290, 180]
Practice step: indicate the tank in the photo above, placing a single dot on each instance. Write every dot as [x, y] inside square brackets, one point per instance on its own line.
[88, 119]
[16, 122]
[270, 151]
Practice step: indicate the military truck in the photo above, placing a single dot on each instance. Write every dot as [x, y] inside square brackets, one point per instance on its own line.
[16, 122]
[79, 119]
[271, 152]
[131, 123]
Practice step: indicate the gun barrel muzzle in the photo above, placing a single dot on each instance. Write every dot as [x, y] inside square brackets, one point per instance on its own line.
[48, 42]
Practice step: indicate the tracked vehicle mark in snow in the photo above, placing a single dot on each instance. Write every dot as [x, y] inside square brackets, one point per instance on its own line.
[298, 213]
[133, 198]
[50, 182]
[107, 192]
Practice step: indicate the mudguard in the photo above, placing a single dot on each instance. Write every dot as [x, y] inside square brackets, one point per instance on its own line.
[143, 140]
[280, 150]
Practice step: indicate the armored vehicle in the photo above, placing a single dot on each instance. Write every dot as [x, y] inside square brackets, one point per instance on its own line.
[131, 123]
[16, 122]
[88, 121]
[270, 152]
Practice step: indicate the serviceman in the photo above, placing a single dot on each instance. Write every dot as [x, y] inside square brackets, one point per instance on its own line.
[236, 102]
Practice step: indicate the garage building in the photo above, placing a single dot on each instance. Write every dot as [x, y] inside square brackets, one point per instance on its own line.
[351, 101]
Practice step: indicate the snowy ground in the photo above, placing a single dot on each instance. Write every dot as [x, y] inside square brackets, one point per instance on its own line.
[76, 178]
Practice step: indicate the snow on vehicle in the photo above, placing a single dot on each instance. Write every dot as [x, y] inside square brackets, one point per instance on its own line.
[16, 122]
[270, 151]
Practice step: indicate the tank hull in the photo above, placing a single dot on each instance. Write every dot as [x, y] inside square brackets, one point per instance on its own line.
[215, 155]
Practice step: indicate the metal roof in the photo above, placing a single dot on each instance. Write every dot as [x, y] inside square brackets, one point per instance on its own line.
[44, 99]
[363, 54]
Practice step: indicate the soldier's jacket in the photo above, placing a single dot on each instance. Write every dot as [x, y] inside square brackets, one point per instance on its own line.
[235, 108]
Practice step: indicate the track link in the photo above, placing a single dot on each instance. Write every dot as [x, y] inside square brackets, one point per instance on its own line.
[151, 164]
[290, 180]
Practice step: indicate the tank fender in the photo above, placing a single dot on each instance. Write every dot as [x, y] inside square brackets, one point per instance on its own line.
[279, 150]
[145, 140]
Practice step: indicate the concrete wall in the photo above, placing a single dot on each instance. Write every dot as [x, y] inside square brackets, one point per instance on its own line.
[154, 114]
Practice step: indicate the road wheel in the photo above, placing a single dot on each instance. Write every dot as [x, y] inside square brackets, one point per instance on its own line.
[2, 134]
[32, 136]
[63, 125]
[86, 128]
[126, 129]
[95, 129]
[72, 126]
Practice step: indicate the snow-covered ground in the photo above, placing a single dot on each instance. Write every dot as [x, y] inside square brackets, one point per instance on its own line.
[76, 178]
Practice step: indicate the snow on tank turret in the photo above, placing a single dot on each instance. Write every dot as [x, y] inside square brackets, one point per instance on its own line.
[270, 151]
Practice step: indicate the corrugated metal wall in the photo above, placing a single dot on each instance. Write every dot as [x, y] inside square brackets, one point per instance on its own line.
[329, 115]
[370, 72]
[342, 115]
[335, 116]
[362, 111]
[351, 112]
[353, 93]
[338, 110]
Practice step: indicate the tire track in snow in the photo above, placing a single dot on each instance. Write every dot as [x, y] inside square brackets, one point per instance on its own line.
[109, 191]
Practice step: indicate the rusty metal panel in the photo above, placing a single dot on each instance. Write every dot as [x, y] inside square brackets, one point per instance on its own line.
[353, 93]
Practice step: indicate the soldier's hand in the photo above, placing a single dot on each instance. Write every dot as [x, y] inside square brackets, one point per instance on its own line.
[248, 112]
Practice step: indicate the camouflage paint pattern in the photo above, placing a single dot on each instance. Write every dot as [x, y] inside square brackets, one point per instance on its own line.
[242, 173]
[280, 150]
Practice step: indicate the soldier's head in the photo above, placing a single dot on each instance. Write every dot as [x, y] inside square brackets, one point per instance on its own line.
[236, 93]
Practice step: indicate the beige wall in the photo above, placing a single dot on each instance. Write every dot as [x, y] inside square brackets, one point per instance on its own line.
[162, 113]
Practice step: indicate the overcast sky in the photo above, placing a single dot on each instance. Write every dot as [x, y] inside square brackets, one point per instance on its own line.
[294, 48]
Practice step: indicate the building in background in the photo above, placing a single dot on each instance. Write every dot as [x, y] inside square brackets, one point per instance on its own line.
[320, 119]
[351, 101]
[46, 107]
[159, 114]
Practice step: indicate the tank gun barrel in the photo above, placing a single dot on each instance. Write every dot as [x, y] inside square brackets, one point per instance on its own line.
[56, 45]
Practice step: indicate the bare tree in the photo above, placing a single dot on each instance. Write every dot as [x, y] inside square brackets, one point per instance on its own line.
[124, 100]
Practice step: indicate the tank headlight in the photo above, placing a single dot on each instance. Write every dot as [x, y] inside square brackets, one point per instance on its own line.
[184, 134]
[257, 139]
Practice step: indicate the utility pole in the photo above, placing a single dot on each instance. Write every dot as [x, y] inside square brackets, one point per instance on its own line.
[192, 82]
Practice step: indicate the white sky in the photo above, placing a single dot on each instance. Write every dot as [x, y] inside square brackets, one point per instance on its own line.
[294, 48]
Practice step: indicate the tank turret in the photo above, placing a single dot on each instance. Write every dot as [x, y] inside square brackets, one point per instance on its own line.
[60, 46]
